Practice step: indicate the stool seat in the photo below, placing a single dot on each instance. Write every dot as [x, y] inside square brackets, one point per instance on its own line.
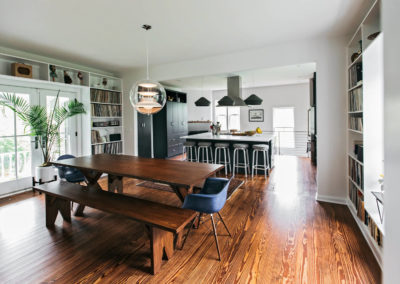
[205, 144]
[264, 147]
[221, 145]
[189, 143]
[241, 146]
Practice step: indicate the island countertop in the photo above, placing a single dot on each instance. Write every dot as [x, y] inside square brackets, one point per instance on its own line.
[262, 138]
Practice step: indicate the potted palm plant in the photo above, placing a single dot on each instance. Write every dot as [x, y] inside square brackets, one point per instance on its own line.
[42, 125]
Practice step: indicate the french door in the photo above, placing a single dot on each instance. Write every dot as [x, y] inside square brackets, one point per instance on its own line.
[20, 152]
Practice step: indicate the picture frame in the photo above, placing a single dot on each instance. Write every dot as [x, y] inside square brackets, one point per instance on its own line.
[256, 115]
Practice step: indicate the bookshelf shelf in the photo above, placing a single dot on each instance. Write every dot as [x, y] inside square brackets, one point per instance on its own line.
[100, 103]
[355, 131]
[355, 87]
[365, 111]
[107, 142]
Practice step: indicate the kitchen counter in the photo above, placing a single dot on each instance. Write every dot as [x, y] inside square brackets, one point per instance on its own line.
[259, 138]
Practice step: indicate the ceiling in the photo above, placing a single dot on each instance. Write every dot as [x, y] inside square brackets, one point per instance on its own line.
[285, 75]
[107, 34]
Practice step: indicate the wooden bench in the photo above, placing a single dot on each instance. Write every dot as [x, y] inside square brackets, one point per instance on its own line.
[163, 221]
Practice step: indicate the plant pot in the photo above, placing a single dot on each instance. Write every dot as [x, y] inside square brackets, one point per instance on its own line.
[45, 174]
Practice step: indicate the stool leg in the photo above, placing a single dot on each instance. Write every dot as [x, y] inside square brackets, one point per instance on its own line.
[195, 154]
[265, 165]
[211, 154]
[248, 160]
[245, 162]
[207, 154]
[234, 162]
[225, 162]
[254, 160]
[229, 160]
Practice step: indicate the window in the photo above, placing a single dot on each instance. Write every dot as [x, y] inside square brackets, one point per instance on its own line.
[283, 123]
[229, 117]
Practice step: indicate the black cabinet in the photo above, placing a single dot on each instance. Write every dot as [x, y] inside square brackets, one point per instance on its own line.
[169, 125]
[144, 135]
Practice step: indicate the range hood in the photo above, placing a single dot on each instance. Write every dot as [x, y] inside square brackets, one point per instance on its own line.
[234, 97]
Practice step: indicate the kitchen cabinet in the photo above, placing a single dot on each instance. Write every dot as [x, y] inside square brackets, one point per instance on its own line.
[144, 135]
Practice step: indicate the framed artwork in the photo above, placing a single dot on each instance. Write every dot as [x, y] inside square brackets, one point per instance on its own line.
[256, 115]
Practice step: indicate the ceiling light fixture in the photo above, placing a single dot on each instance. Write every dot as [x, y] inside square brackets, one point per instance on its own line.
[253, 99]
[202, 102]
[147, 96]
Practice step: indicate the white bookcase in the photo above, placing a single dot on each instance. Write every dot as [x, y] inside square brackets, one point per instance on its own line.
[365, 127]
[90, 83]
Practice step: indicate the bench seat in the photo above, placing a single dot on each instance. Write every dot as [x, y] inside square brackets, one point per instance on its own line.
[163, 221]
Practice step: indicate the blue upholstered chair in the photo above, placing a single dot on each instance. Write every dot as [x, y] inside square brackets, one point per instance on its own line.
[70, 174]
[209, 200]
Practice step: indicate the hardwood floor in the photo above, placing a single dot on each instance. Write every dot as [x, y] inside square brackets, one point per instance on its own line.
[280, 234]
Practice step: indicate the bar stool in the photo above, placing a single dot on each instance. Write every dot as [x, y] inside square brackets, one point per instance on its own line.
[219, 149]
[263, 148]
[205, 149]
[241, 148]
[189, 148]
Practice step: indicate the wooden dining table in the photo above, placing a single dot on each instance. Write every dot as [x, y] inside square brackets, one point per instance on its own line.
[180, 175]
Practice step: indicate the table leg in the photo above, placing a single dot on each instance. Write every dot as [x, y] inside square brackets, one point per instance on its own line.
[161, 243]
[53, 205]
[182, 191]
[92, 178]
[115, 183]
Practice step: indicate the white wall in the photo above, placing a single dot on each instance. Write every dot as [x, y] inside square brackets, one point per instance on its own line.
[391, 246]
[327, 53]
[297, 96]
[198, 113]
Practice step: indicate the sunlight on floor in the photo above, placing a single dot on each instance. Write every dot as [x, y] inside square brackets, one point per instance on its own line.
[286, 180]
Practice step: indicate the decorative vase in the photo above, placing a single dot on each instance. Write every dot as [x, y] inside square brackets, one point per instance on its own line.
[45, 174]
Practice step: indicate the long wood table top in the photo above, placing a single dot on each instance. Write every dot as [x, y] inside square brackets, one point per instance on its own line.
[171, 172]
[163, 216]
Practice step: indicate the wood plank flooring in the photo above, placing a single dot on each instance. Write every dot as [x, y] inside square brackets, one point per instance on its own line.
[280, 235]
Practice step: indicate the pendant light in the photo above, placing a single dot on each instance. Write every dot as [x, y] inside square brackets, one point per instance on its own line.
[202, 102]
[147, 96]
[253, 99]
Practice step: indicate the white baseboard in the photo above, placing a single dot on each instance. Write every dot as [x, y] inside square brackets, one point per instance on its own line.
[331, 199]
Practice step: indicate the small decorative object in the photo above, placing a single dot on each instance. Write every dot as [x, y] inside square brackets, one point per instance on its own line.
[373, 36]
[21, 70]
[147, 96]
[215, 128]
[53, 72]
[67, 78]
[381, 180]
[115, 137]
[354, 56]
[258, 130]
[80, 77]
[104, 82]
[256, 115]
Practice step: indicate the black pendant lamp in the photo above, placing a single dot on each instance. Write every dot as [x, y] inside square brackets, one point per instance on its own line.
[202, 102]
[253, 100]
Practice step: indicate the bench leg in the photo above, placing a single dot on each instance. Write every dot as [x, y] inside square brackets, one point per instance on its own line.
[115, 183]
[160, 241]
[53, 205]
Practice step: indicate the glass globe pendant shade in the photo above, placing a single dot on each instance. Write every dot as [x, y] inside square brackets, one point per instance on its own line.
[147, 97]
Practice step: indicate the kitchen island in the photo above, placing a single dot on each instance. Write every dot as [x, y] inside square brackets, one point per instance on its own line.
[232, 139]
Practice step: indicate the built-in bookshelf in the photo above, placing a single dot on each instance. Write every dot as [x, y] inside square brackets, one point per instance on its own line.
[365, 127]
[106, 115]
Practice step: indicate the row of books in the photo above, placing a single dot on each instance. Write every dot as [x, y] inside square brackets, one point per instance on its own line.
[355, 74]
[356, 100]
[101, 96]
[356, 123]
[357, 199]
[106, 110]
[356, 173]
[109, 148]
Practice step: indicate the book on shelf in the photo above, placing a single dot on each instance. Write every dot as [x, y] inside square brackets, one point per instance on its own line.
[356, 100]
[355, 75]
[356, 123]
[102, 96]
[356, 172]
[359, 150]
[106, 110]
[109, 148]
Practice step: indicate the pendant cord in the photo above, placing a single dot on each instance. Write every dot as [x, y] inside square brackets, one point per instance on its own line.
[147, 56]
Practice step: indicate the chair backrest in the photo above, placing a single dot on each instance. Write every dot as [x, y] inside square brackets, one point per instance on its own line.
[64, 171]
[218, 187]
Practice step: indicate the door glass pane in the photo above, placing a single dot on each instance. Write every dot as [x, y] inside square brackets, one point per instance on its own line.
[7, 159]
[21, 129]
[283, 123]
[24, 156]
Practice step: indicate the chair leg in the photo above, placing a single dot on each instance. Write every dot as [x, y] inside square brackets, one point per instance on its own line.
[215, 236]
[222, 220]
[187, 234]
